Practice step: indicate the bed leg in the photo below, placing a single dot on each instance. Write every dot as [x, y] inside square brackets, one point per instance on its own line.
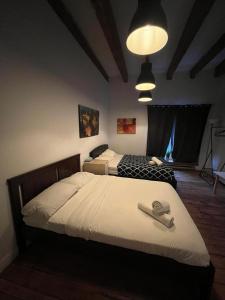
[21, 244]
[207, 283]
[21, 239]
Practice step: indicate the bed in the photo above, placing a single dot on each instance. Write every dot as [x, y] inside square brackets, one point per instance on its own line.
[134, 166]
[87, 215]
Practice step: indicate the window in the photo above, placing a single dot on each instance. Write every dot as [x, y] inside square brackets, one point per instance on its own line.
[170, 147]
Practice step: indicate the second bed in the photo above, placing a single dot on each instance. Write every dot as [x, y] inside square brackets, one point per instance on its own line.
[133, 166]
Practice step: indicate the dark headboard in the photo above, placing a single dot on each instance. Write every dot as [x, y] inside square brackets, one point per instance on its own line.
[98, 150]
[24, 187]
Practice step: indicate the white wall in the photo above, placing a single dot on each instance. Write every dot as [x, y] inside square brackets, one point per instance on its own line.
[217, 112]
[44, 75]
[123, 104]
[219, 142]
[181, 90]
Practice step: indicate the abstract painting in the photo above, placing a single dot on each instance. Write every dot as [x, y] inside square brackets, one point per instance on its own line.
[88, 121]
[126, 126]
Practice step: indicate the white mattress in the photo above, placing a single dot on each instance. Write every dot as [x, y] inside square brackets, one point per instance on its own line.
[105, 210]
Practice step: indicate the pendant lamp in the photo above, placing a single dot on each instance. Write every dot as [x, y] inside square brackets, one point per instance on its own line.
[146, 79]
[145, 96]
[148, 29]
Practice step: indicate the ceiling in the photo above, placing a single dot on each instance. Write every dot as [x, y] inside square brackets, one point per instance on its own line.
[177, 12]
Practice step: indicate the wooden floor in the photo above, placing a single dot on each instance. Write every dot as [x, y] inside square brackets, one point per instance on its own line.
[208, 212]
[40, 277]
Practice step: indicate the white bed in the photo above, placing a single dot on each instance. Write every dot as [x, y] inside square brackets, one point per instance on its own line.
[105, 210]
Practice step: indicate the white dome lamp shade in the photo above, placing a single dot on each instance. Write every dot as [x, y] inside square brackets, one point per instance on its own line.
[146, 79]
[145, 96]
[148, 29]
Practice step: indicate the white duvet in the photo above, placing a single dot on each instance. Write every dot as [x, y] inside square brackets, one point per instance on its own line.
[113, 164]
[105, 210]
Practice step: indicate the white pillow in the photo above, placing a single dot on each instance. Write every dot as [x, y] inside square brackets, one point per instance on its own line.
[109, 152]
[45, 204]
[79, 179]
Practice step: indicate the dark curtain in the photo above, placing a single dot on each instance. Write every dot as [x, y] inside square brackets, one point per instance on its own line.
[160, 123]
[190, 125]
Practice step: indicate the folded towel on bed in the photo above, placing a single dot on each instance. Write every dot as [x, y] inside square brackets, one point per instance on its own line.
[161, 207]
[165, 219]
[157, 161]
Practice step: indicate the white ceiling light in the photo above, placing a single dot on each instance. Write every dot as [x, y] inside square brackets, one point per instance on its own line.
[148, 29]
[145, 96]
[146, 79]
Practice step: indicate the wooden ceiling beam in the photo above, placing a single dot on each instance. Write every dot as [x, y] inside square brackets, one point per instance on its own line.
[208, 56]
[198, 13]
[220, 69]
[104, 13]
[66, 17]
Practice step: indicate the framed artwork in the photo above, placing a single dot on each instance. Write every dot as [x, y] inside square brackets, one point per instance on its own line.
[126, 126]
[88, 121]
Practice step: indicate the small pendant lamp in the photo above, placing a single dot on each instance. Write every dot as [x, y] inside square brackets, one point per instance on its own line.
[148, 29]
[145, 96]
[146, 79]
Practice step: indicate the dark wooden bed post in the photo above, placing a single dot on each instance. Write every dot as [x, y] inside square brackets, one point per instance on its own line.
[14, 193]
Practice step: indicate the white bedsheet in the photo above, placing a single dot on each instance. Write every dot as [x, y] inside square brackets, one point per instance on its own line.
[113, 163]
[105, 210]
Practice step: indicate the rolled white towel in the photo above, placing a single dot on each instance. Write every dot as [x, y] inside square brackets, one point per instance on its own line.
[157, 161]
[161, 207]
[166, 220]
[152, 163]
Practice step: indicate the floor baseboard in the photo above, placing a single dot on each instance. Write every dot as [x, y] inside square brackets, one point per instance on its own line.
[7, 259]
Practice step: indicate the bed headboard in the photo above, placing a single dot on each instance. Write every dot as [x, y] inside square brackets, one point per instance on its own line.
[98, 150]
[24, 187]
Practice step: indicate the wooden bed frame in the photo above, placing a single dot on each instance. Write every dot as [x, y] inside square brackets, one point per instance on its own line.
[24, 187]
